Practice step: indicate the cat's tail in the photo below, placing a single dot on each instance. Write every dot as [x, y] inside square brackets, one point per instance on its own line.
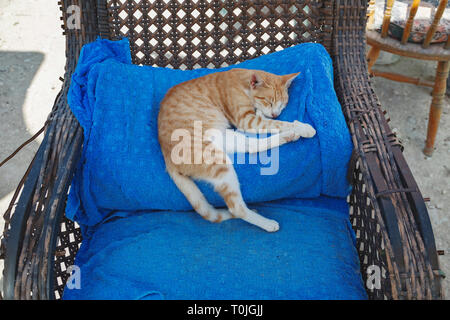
[196, 198]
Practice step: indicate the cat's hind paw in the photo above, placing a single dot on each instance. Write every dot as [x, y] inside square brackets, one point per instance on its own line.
[270, 226]
[221, 215]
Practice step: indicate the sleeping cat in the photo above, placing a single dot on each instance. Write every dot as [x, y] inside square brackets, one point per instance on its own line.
[247, 100]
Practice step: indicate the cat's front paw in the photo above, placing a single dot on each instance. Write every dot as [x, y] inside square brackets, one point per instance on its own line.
[289, 136]
[304, 130]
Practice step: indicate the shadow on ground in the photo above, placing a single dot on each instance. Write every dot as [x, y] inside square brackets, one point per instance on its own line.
[17, 70]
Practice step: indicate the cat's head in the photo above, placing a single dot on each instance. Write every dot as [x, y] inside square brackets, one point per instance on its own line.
[269, 92]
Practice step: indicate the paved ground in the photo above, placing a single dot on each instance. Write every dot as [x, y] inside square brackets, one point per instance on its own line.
[31, 62]
[32, 59]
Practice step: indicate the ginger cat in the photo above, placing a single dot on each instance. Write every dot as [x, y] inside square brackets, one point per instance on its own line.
[247, 100]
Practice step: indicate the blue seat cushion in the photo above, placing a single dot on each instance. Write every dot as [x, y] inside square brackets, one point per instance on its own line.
[179, 255]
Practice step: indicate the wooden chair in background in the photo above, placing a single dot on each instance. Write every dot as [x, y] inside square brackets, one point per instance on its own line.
[424, 51]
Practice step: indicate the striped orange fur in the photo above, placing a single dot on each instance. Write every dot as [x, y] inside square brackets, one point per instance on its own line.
[244, 99]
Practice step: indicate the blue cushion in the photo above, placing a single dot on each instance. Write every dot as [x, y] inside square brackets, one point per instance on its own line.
[122, 168]
[179, 255]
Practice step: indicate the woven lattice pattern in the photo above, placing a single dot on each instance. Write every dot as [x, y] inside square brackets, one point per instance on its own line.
[210, 34]
[67, 245]
[369, 239]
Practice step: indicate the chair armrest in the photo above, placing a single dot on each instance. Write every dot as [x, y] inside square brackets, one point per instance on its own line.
[388, 211]
[31, 228]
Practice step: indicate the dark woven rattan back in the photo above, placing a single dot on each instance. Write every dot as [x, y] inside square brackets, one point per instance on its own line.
[209, 34]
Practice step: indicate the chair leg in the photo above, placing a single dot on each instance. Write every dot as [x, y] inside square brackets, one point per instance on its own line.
[372, 57]
[436, 105]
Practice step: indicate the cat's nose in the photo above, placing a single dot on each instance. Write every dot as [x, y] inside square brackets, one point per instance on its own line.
[274, 114]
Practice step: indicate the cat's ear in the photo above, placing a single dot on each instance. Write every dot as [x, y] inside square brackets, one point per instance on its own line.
[287, 79]
[255, 81]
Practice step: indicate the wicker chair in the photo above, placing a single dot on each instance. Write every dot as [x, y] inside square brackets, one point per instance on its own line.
[424, 51]
[387, 210]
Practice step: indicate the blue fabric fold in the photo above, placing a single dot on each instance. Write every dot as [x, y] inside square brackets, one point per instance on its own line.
[122, 168]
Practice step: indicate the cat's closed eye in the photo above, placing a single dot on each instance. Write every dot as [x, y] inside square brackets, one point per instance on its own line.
[265, 100]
